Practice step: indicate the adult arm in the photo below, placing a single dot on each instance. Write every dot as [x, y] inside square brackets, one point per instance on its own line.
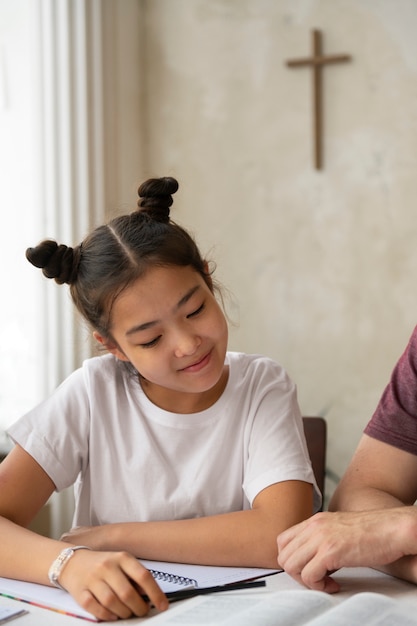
[100, 582]
[379, 476]
[241, 538]
[375, 526]
[382, 476]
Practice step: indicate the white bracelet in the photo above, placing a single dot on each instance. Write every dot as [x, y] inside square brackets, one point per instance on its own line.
[60, 562]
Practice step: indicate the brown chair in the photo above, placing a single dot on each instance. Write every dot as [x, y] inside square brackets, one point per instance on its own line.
[315, 429]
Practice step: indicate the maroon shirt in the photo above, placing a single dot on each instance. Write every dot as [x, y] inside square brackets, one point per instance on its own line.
[395, 418]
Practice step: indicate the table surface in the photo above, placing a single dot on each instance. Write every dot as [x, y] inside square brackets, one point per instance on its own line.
[352, 581]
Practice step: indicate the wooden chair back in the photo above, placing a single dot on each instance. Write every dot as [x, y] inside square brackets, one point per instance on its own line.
[315, 429]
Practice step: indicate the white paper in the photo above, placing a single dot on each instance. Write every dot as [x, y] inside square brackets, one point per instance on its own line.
[44, 596]
[7, 614]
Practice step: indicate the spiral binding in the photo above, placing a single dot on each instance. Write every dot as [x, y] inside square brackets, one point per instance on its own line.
[173, 578]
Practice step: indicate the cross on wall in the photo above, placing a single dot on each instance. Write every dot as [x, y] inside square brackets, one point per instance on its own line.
[317, 61]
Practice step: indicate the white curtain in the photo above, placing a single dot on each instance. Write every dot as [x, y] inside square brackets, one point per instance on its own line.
[72, 155]
[73, 173]
[51, 184]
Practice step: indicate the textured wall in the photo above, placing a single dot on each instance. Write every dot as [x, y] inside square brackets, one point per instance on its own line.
[322, 265]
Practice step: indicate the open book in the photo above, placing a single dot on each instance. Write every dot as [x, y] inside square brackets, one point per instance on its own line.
[171, 577]
[286, 608]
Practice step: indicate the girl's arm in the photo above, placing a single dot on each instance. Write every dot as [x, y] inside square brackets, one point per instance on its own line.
[242, 538]
[100, 582]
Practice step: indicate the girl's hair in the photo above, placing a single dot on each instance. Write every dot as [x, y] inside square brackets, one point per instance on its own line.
[115, 255]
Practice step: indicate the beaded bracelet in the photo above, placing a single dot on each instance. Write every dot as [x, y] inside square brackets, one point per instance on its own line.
[60, 562]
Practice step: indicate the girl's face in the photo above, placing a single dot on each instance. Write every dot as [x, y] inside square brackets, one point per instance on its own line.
[171, 328]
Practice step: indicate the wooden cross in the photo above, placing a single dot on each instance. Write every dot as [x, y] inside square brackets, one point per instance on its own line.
[317, 61]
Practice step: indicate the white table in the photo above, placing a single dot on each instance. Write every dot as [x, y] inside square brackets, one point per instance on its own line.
[352, 581]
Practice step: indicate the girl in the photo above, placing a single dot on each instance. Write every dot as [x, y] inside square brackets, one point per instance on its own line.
[178, 450]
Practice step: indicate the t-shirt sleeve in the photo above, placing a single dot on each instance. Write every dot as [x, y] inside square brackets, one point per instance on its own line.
[277, 449]
[56, 432]
[395, 418]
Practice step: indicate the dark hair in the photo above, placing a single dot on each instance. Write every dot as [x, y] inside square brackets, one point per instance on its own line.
[116, 254]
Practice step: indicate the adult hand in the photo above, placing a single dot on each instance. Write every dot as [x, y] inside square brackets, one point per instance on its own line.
[312, 550]
[111, 585]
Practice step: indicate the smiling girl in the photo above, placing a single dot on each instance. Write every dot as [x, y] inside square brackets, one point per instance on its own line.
[179, 450]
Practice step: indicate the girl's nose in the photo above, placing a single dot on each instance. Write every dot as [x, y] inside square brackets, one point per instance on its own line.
[187, 344]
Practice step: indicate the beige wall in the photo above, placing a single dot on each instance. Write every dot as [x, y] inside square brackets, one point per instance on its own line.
[322, 264]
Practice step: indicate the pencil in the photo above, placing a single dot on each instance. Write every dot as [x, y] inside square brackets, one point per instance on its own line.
[174, 596]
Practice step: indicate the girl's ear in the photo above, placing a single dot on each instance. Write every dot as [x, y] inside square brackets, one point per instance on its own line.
[110, 346]
[208, 278]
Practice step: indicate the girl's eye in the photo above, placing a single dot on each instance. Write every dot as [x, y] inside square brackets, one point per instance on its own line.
[197, 311]
[150, 344]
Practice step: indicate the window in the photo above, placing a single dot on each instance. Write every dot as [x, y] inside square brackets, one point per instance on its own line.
[21, 328]
[52, 183]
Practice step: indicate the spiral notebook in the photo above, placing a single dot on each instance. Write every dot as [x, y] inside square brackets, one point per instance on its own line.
[170, 576]
[175, 576]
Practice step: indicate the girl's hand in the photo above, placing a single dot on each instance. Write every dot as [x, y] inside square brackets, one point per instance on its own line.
[111, 585]
[91, 536]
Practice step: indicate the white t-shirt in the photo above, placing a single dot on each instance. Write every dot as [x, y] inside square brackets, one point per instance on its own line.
[132, 461]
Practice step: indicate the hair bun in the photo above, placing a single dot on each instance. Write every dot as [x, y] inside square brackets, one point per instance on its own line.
[155, 197]
[59, 262]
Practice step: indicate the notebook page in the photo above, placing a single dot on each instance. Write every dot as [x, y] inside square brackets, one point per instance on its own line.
[201, 575]
[44, 596]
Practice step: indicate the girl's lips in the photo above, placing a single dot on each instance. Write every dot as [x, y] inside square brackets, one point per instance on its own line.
[196, 367]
